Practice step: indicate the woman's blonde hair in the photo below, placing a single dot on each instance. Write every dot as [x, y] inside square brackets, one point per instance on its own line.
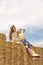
[11, 31]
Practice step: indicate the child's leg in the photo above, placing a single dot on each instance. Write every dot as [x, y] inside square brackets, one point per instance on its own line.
[28, 44]
[31, 51]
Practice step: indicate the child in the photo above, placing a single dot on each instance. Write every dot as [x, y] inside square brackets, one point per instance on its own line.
[13, 34]
[26, 43]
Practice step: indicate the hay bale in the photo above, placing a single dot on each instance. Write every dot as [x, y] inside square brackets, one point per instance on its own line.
[2, 54]
[15, 54]
[2, 36]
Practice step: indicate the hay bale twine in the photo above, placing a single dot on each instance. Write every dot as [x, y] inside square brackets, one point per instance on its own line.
[2, 36]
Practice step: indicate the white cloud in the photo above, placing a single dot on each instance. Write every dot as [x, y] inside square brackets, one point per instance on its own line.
[38, 43]
[21, 13]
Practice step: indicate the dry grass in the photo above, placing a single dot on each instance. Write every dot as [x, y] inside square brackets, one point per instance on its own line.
[15, 54]
[2, 36]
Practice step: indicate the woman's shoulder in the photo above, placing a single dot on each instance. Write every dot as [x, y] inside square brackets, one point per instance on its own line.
[14, 33]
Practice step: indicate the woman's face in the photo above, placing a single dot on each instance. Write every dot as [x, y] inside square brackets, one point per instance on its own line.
[14, 29]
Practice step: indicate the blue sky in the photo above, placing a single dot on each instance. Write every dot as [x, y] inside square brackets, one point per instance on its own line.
[26, 14]
[34, 35]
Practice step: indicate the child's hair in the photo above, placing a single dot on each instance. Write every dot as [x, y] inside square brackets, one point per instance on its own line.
[11, 31]
[20, 30]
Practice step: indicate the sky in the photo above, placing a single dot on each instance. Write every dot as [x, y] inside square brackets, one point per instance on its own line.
[26, 14]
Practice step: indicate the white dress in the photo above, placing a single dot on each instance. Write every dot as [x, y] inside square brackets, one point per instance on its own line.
[14, 36]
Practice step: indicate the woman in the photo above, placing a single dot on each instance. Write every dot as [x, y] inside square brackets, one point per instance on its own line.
[13, 34]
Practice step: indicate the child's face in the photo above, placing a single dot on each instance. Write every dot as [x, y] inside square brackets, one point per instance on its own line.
[22, 31]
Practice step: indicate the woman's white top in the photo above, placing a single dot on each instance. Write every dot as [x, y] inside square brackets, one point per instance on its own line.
[14, 36]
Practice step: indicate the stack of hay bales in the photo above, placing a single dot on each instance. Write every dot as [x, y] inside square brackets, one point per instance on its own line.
[2, 39]
[12, 53]
[2, 36]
